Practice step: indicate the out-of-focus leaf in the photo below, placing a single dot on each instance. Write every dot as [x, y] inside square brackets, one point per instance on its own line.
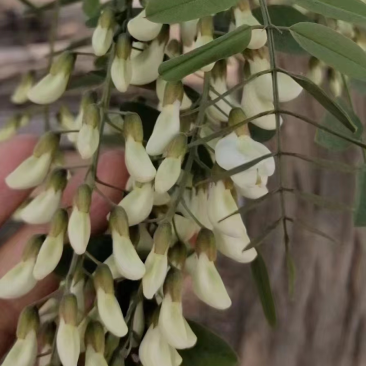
[51, 4]
[359, 217]
[91, 7]
[359, 86]
[89, 79]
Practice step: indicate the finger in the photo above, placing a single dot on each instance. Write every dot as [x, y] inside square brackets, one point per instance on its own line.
[12, 153]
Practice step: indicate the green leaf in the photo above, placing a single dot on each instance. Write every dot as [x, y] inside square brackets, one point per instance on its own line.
[260, 275]
[91, 7]
[334, 143]
[177, 11]
[259, 134]
[332, 48]
[353, 11]
[210, 350]
[331, 105]
[359, 217]
[284, 16]
[222, 47]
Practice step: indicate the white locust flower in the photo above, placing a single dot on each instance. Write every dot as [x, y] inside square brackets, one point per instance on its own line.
[186, 228]
[88, 136]
[79, 222]
[167, 125]
[138, 203]
[46, 339]
[316, 71]
[103, 33]
[174, 328]
[160, 90]
[138, 323]
[239, 148]
[32, 171]
[205, 36]
[109, 310]
[121, 69]
[54, 84]
[335, 83]
[199, 206]
[51, 250]
[156, 263]
[207, 283]
[95, 345]
[19, 280]
[169, 170]
[146, 64]
[188, 31]
[155, 351]
[137, 160]
[111, 263]
[177, 255]
[142, 28]
[12, 126]
[66, 120]
[48, 311]
[128, 262]
[67, 339]
[20, 94]
[161, 199]
[77, 289]
[24, 350]
[137, 48]
[243, 15]
[218, 83]
[42, 208]
[288, 88]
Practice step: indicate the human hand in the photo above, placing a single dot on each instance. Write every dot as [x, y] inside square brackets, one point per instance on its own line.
[111, 170]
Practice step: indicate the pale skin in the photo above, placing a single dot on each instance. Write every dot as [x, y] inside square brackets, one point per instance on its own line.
[111, 170]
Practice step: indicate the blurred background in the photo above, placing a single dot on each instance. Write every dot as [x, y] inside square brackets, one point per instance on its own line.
[324, 322]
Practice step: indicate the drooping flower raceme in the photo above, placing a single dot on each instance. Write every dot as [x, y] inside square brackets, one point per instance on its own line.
[103, 33]
[142, 28]
[20, 94]
[32, 171]
[54, 84]
[109, 310]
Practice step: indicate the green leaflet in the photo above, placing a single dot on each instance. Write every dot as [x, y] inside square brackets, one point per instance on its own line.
[176, 11]
[210, 350]
[353, 11]
[223, 47]
[332, 48]
[91, 7]
[284, 16]
[359, 217]
[260, 275]
[334, 143]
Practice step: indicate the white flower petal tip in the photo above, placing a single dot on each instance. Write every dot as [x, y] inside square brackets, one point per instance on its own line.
[23, 352]
[103, 34]
[121, 73]
[188, 31]
[161, 199]
[160, 89]
[68, 343]
[93, 358]
[19, 95]
[138, 203]
[87, 141]
[111, 263]
[202, 40]
[167, 174]
[143, 29]
[186, 228]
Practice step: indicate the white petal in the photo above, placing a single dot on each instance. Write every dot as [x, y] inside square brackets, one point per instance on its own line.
[143, 29]
[167, 126]
[102, 40]
[41, 209]
[111, 263]
[160, 88]
[30, 173]
[49, 310]
[201, 41]
[110, 313]
[186, 228]
[49, 89]
[175, 357]
[138, 323]
[45, 360]
[126, 258]
[234, 248]
[188, 31]
[121, 73]
[93, 358]
[77, 289]
[79, 230]
[88, 141]
[7, 132]
[138, 162]
[18, 281]
[146, 64]
[156, 268]
[68, 344]
[161, 199]
[202, 208]
[252, 192]
[167, 174]
[138, 204]
[23, 352]
[208, 285]
[173, 326]
[48, 256]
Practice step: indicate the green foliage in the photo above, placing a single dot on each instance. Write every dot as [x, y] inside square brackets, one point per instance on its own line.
[332, 48]
[91, 7]
[260, 275]
[334, 143]
[284, 16]
[210, 350]
[359, 217]
[353, 11]
[220, 48]
[177, 11]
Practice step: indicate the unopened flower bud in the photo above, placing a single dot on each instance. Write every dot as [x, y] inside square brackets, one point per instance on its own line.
[137, 160]
[88, 98]
[174, 48]
[32, 171]
[205, 36]
[335, 83]
[79, 223]
[12, 125]
[94, 336]
[68, 341]
[103, 33]
[315, 71]
[28, 322]
[88, 136]
[46, 339]
[142, 28]
[108, 308]
[67, 122]
[237, 116]
[54, 84]
[19, 95]
[188, 31]
[177, 255]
